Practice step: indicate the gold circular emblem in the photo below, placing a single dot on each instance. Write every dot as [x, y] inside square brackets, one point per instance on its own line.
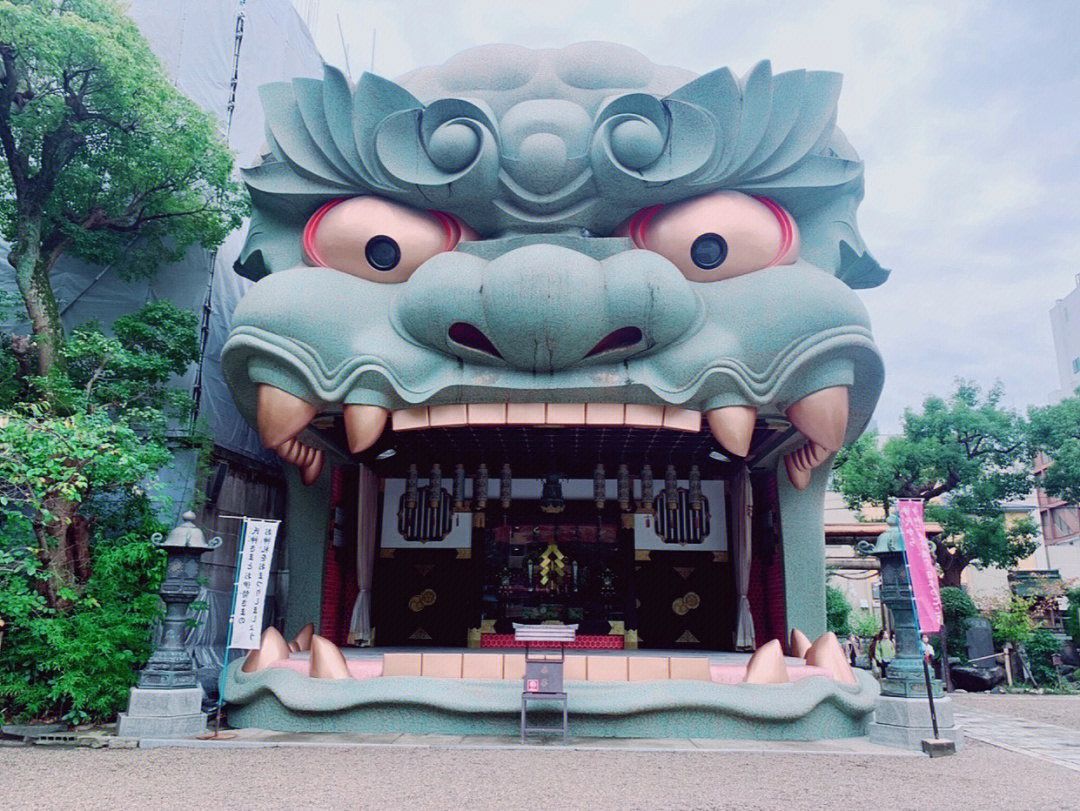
[679, 607]
[427, 597]
[415, 603]
[691, 600]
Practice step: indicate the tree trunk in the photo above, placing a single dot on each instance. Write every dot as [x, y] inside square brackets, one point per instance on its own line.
[952, 563]
[32, 276]
[55, 550]
[951, 576]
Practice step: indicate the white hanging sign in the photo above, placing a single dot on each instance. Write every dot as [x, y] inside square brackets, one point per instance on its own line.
[252, 577]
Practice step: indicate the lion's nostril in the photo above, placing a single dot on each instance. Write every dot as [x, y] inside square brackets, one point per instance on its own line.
[622, 338]
[469, 336]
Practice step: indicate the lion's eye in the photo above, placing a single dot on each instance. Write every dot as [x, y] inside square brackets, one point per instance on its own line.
[719, 235]
[378, 240]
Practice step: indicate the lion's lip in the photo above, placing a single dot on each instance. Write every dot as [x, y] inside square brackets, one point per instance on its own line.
[547, 414]
[821, 417]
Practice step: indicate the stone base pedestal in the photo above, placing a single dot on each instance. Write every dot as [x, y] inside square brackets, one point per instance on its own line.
[163, 714]
[905, 722]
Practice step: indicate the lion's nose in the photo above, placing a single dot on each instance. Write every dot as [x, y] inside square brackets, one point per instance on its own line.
[545, 308]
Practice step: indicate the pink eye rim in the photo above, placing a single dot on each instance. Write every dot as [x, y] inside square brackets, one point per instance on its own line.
[454, 229]
[308, 239]
[787, 236]
[787, 228]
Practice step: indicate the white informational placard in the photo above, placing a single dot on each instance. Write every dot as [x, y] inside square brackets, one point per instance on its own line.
[252, 577]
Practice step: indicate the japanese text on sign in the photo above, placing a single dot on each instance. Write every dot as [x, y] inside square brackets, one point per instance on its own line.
[924, 579]
[252, 577]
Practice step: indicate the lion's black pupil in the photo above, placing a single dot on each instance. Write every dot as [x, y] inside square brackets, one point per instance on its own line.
[708, 251]
[382, 253]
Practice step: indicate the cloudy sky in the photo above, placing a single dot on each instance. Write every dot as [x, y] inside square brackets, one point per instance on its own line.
[967, 114]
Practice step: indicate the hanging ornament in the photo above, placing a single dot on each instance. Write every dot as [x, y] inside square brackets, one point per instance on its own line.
[435, 487]
[504, 487]
[552, 567]
[551, 496]
[410, 488]
[599, 485]
[694, 492]
[624, 488]
[646, 489]
[480, 488]
[671, 488]
[459, 488]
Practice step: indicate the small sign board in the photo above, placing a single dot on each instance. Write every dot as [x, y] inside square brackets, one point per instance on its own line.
[257, 538]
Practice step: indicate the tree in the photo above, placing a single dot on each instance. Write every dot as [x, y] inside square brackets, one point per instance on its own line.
[965, 456]
[837, 610]
[103, 157]
[1055, 431]
[78, 573]
[112, 438]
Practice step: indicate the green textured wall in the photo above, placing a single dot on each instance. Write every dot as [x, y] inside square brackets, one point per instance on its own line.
[802, 522]
[306, 518]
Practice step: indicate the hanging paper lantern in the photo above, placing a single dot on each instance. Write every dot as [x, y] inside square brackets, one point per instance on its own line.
[435, 486]
[624, 488]
[410, 488]
[480, 488]
[694, 494]
[671, 488]
[459, 488]
[504, 487]
[645, 505]
[599, 484]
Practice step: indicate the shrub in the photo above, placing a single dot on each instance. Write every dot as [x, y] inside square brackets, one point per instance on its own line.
[865, 624]
[1041, 647]
[957, 608]
[77, 663]
[837, 610]
[1072, 615]
[1012, 623]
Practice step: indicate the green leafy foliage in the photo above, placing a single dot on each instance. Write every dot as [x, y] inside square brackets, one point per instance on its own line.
[1055, 432]
[78, 575]
[102, 157]
[965, 456]
[1012, 622]
[78, 663]
[865, 624]
[1041, 647]
[957, 608]
[837, 611]
[1072, 615]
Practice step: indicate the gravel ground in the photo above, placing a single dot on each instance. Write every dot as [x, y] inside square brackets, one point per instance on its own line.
[389, 778]
[1061, 710]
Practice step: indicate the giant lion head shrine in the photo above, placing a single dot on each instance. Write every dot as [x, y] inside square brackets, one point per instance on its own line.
[555, 337]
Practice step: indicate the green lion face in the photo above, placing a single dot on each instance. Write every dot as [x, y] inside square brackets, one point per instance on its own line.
[572, 238]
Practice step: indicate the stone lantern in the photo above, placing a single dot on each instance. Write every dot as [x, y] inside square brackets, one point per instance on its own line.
[168, 699]
[902, 715]
[904, 676]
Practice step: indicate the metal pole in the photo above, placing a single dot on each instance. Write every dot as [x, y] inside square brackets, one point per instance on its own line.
[930, 693]
[918, 632]
[232, 613]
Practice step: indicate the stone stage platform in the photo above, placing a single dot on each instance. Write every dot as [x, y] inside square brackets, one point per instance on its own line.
[623, 694]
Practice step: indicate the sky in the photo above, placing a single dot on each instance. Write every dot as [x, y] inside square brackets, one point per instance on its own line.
[966, 113]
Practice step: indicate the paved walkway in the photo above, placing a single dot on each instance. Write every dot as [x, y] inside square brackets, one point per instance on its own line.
[1057, 744]
[258, 738]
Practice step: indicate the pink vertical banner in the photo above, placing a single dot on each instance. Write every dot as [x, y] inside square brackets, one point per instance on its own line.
[921, 568]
